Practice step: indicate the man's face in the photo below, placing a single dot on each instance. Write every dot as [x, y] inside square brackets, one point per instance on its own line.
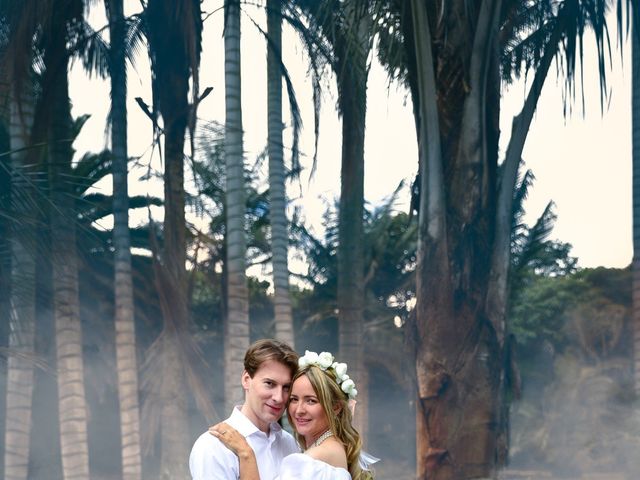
[266, 394]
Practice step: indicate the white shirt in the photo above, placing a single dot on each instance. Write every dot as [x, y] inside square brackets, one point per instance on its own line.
[211, 460]
[300, 466]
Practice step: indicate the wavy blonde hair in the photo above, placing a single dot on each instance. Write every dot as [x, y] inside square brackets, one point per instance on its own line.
[331, 397]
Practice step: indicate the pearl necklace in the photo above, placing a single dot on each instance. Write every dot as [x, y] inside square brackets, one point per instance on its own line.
[321, 439]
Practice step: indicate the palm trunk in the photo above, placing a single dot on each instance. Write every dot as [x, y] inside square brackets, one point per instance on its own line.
[5, 267]
[636, 194]
[351, 73]
[126, 361]
[71, 393]
[277, 190]
[174, 433]
[174, 30]
[431, 221]
[458, 349]
[20, 374]
[237, 319]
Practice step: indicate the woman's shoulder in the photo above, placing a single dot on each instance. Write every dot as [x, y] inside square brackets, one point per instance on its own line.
[330, 451]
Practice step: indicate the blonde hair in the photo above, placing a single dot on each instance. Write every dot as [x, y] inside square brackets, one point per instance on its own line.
[330, 396]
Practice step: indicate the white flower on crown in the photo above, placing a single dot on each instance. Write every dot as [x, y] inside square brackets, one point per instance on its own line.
[309, 358]
[349, 388]
[325, 361]
[340, 368]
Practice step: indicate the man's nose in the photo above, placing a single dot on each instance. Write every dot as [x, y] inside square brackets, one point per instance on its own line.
[278, 395]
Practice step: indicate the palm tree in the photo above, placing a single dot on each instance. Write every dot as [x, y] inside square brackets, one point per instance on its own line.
[347, 27]
[174, 32]
[22, 301]
[54, 34]
[71, 392]
[126, 362]
[277, 190]
[237, 320]
[635, 46]
[352, 48]
[20, 375]
[454, 53]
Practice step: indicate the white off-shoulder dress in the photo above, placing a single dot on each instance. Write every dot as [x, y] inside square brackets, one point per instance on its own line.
[299, 466]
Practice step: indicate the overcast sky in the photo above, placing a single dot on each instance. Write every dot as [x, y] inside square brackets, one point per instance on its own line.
[582, 163]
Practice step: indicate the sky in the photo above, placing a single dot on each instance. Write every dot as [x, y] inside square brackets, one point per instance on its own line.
[582, 162]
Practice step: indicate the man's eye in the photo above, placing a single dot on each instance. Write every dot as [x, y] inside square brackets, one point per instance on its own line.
[268, 383]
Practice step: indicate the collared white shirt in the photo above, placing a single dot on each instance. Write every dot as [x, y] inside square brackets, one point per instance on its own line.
[211, 460]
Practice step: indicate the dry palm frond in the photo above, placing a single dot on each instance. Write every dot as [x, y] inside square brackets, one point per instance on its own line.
[175, 341]
[35, 360]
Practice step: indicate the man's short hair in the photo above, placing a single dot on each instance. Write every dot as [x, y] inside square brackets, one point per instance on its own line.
[269, 349]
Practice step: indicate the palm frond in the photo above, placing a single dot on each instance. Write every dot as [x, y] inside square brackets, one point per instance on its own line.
[90, 47]
[91, 168]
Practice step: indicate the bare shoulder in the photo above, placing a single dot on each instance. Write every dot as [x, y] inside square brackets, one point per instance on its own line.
[330, 451]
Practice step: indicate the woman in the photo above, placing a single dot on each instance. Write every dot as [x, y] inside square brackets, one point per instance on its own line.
[319, 411]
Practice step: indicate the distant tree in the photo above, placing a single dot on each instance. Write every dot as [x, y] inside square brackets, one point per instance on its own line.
[348, 28]
[126, 358]
[5, 261]
[21, 217]
[64, 257]
[573, 341]
[277, 176]
[635, 47]
[23, 211]
[237, 315]
[173, 31]
[20, 375]
[389, 252]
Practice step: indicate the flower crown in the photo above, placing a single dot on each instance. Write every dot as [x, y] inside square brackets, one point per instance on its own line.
[325, 361]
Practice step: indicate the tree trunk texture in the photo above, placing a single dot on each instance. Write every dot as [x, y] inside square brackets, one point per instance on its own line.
[174, 431]
[70, 369]
[5, 263]
[174, 36]
[126, 360]
[20, 374]
[352, 48]
[277, 177]
[458, 350]
[636, 193]
[237, 320]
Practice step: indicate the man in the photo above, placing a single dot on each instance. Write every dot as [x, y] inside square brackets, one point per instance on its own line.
[269, 366]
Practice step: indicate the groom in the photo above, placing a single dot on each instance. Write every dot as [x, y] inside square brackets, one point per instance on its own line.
[269, 366]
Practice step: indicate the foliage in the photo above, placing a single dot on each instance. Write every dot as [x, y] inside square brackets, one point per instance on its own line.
[573, 334]
[389, 283]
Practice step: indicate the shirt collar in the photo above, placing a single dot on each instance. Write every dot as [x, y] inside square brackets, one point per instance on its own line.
[246, 427]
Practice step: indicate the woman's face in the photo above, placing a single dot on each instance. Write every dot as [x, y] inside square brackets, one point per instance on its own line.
[305, 410]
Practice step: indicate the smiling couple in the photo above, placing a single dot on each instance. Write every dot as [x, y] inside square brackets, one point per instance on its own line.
[250, 445]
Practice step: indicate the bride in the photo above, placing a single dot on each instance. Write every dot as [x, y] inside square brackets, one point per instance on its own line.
[318, 409]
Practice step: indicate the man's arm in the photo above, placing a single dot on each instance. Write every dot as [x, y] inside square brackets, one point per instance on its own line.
[211, 460]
